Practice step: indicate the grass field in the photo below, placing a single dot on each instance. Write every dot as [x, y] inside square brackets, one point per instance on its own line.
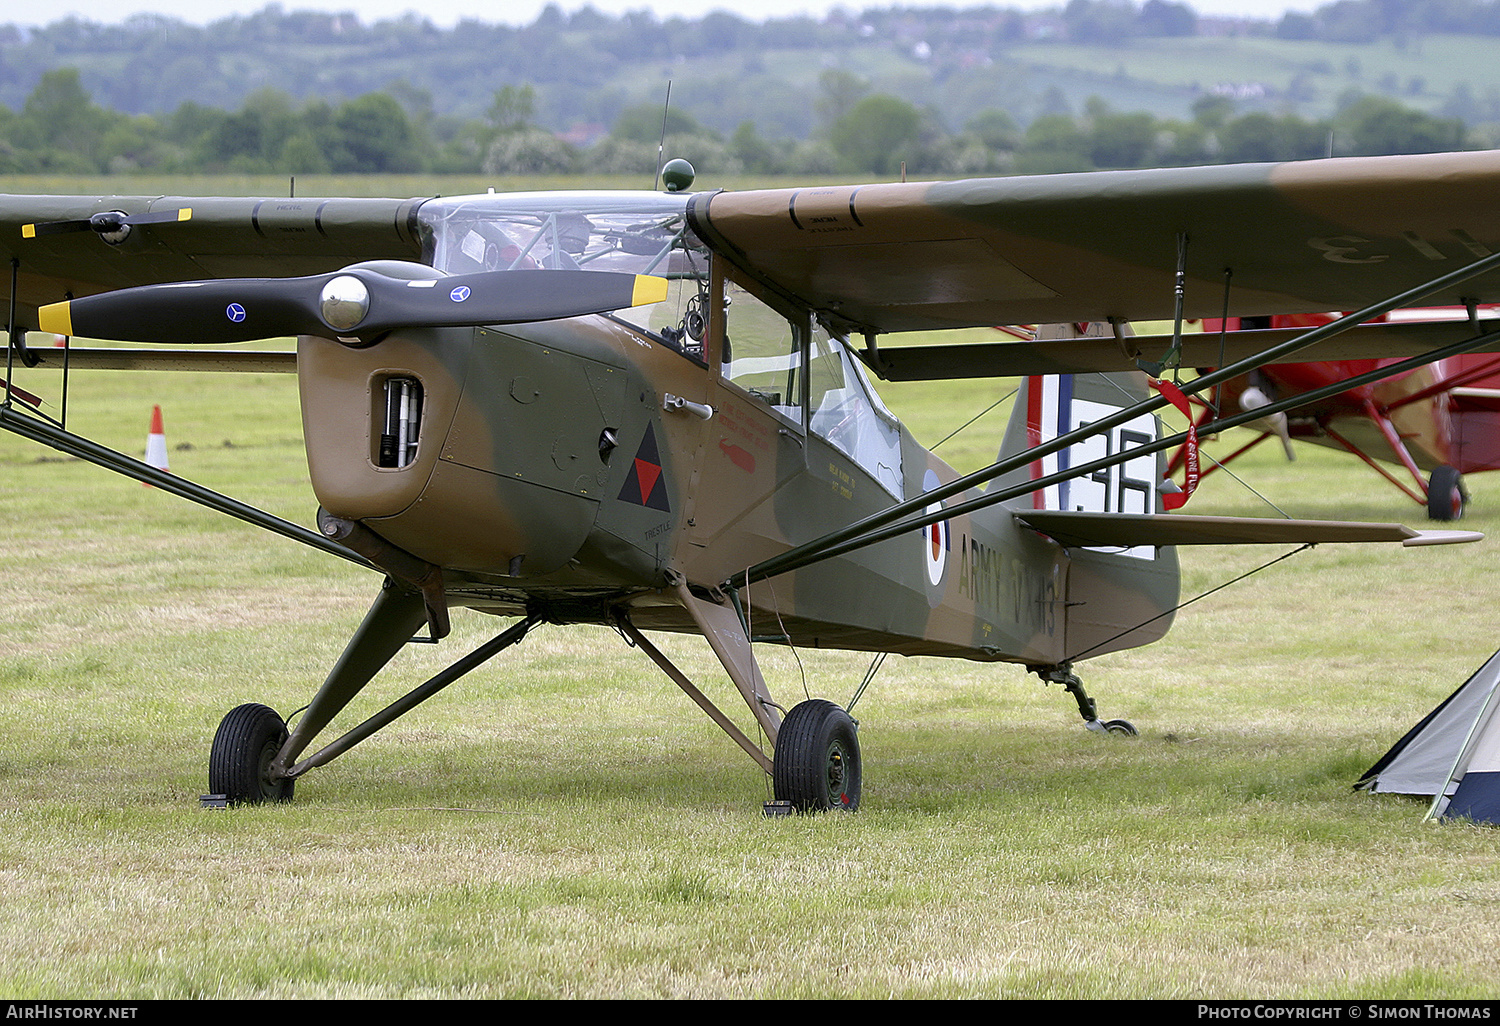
[564, 823]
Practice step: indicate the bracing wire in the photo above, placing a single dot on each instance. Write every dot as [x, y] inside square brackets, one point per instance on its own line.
[875, 665]
[971, 420]
[1195, 598]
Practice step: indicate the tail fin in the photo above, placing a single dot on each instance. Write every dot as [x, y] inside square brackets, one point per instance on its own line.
[1116, 597]
[1054, 405]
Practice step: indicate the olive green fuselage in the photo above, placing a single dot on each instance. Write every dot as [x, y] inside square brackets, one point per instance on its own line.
[552, 474]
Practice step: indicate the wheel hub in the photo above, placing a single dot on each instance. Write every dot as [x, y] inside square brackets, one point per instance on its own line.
[837, 794]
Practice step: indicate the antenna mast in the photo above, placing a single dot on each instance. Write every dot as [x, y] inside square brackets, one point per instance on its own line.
[661, 145]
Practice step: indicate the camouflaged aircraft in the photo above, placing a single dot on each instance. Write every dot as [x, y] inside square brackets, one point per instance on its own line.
[650, 409]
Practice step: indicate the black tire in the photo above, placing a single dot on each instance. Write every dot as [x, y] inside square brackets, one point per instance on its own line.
[239, 762]
[817, 764]
[1446, 496]
[1124, 728]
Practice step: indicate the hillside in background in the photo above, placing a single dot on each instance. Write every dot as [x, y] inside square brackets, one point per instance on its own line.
[1093, 83]
[586, 68]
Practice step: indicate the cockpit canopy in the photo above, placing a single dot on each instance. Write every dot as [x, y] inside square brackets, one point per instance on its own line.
[632, 232]
[629, 232]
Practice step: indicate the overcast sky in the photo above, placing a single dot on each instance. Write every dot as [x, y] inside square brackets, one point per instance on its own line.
[519, 12]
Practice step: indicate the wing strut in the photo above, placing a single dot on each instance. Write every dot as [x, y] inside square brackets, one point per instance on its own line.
[38, 430]
[821, 548]
[898, 519]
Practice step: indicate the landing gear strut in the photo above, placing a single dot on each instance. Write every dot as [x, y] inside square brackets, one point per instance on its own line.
[1071, 683]
[254, 756]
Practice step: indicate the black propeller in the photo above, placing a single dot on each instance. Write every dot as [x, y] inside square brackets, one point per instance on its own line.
[113, 225]
[357, 302]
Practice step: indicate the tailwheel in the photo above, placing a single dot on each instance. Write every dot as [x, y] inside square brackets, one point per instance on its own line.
[1446, 495]
[239, 764]
[816, 766]
[1063, 674]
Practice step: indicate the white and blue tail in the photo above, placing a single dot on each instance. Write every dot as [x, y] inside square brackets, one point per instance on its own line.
[1053, 405]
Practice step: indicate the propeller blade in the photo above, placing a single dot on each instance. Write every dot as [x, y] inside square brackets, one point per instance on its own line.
[1253, 398]
[356, 302]
[31, 231]
[106, 222]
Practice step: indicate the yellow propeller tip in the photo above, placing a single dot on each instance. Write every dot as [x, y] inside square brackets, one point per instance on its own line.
[56, 318]
[648, 289]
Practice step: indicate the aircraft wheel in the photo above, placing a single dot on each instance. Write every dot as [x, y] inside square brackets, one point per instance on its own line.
[1122, 727]
[240, 761]
[817, 765]
[1445, 494]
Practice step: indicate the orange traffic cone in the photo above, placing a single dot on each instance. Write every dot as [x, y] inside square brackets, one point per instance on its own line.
[156, 443]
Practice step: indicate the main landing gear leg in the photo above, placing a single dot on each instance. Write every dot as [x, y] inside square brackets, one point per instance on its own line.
[253, 752]
[816, 764]
[1064, 675]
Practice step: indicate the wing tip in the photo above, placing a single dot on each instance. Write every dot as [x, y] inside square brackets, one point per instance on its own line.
[1441, 538]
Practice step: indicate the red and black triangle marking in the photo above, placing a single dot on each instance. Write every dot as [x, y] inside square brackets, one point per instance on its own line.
[645, 485]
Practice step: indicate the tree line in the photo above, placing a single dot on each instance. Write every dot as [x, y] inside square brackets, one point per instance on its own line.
[60, 129]
[587, 65]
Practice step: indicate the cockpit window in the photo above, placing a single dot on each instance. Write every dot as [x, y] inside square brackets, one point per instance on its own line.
[849, 414]
[629, 232]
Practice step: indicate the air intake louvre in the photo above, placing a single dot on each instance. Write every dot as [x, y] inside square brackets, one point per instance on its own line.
[402, 422]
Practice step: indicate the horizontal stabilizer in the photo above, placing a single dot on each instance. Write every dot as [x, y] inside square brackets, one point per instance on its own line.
[1101, 530]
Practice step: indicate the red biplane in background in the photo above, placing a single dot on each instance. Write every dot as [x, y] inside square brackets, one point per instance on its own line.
[1438, 422]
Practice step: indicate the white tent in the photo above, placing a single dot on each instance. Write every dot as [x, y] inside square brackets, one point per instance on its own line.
[1452, 755]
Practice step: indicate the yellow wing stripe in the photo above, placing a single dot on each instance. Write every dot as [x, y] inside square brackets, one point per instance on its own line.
[648, 289]
[56, 318]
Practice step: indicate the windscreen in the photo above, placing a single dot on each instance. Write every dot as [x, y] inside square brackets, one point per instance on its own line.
[630, 232]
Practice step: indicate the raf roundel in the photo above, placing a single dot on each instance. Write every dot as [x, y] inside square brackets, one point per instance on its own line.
[935, 540]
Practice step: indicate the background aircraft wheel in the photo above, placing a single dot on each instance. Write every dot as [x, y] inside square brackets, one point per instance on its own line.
[1122, 727]
[239, 762]
[816, 766]
[1445, 494]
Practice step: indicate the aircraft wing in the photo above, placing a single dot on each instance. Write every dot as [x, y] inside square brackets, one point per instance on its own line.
[1098, 530]
[57, 255]
[1260, 239]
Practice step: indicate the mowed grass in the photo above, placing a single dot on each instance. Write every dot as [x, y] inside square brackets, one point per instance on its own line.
[565, 823]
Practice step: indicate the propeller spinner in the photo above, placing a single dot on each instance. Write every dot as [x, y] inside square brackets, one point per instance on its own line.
[357, 302]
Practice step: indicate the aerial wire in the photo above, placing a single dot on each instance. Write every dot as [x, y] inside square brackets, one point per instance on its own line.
[1183, 605]
[661, 145]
